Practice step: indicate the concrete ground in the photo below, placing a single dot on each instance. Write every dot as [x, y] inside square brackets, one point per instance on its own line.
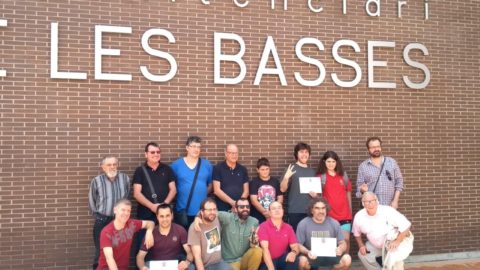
[472, 264]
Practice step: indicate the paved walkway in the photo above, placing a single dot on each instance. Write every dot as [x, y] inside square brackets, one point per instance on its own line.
[473, 264]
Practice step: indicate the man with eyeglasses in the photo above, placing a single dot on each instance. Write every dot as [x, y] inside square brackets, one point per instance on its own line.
[389, 240]
[239, 245]
[380, 175]
[105, 191]
[230, 180]
[153, 183]
[184, 169]
[206, 250]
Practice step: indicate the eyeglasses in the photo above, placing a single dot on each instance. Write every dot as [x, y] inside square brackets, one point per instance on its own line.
[369, 202]
[154, 152]
[195, 146]
[243, 206]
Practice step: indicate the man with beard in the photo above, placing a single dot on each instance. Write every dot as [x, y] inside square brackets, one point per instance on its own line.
[291, 183]
[238, 237]
[170, 242]
[319, 225]
[387, 231]
[117, 237]
[105, 190]
[380, 175]
[207, 256]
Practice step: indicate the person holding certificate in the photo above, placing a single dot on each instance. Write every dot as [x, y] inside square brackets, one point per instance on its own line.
[298, 180]
[320, 238]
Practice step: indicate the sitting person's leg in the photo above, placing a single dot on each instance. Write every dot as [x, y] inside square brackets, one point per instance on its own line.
[251, 259]
[369, 260]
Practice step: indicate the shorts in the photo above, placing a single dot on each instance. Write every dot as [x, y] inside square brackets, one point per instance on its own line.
[346, 225]
[325, 261]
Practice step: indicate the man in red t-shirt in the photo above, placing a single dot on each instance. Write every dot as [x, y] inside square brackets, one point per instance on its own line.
[116, 238]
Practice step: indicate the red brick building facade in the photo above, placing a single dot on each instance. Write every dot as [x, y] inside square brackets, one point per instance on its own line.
[81, 79]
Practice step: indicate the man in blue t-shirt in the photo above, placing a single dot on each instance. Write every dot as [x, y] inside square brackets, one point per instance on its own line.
[184, 169]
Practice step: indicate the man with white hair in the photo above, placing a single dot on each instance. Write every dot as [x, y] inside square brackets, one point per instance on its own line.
[105, 190]
[388, 233]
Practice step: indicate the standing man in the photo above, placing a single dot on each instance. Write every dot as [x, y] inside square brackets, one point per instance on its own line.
[319, 225]
[230, 180]
[291, 182]
[184, 169]
[153, 183]
[170, 242]
[387, 232]
[105, 190]
[239, 246]
[380, 175]
[278, 242]
[116, 238]
[205, 244]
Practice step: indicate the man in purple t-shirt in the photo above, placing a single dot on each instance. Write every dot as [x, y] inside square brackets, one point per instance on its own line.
[170, 242]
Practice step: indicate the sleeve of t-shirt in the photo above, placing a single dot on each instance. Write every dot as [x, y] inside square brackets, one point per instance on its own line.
[183, 235]
[137, 223]
[193, 236]
[276, 185]
[292, 238]
[262, 233]
[355, 227]
[245, 175]
[138, 176]
[339, 235]
[301, 232]
[224, 218]
[253, 187]
[171, 175]
[209, 169]
[105, 241]
[217, 173]
[399, 219]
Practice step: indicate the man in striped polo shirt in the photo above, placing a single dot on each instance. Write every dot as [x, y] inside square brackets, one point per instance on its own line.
[105, 190]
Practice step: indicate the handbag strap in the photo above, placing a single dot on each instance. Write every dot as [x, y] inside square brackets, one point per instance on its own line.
[378, 178]
[193, 184]
[149, 181]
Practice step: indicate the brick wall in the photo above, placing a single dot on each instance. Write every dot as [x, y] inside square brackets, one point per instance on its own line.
[53, 132]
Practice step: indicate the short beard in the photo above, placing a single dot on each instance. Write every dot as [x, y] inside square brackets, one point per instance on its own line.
[112, 175]
[243, 216]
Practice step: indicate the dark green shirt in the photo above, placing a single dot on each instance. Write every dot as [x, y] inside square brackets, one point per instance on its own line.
[235, 235]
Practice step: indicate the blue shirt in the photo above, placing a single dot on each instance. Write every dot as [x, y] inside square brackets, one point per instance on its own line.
[184, 176]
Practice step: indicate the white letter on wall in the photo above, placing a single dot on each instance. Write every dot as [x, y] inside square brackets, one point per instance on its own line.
[262, 67]
[341, 60]
[285, 4]
[377, 11]
[218, 57]
[171, 60]
[418, 65]
[3, 23]
[316, 10]
[372, 64]
[99, 52]
[242, 5]
[54, 73]
[315, 62]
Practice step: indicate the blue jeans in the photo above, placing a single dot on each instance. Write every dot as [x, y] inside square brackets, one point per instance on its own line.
[100, 222]
[280, 263]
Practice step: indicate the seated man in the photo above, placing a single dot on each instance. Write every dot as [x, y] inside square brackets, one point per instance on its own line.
[239, 247]
[278, 241]
[170, 242]
[205, 246]
[116, 238]
[388, 233]
[318, 224]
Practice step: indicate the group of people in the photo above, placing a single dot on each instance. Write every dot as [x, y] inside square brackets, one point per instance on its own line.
[237, 223]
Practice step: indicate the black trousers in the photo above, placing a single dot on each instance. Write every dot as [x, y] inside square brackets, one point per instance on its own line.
[100, 222]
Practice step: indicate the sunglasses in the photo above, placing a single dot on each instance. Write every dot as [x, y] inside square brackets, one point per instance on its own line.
[243, 206]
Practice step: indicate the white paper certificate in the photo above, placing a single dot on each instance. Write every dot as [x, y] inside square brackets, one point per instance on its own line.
[324, 246]
[164, 265]
[308, 184]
